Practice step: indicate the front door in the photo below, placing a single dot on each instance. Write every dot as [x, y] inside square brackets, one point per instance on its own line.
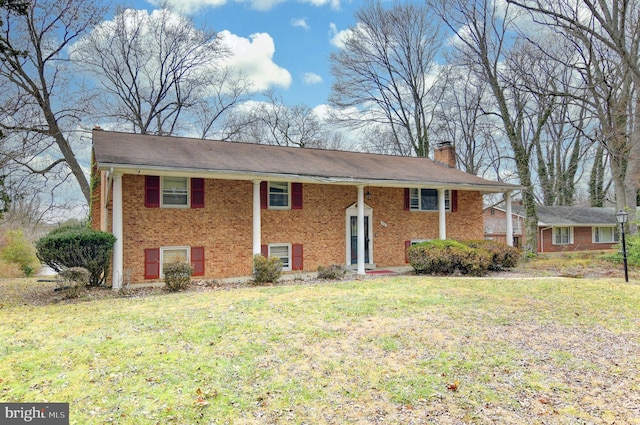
[354, 239]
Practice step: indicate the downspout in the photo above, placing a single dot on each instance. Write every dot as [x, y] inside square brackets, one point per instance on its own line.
[442, 220]
[542, 237]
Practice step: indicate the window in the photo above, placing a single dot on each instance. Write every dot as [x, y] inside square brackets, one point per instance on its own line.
[562, 235]
[170, 254]
[427, 200]
[175, 192]
[605, 234]
[278, 195]
[283, 253]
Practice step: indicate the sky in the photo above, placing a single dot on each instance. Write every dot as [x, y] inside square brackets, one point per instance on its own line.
[283, 45]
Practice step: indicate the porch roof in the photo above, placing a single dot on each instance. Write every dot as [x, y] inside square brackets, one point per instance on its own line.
[159, 155]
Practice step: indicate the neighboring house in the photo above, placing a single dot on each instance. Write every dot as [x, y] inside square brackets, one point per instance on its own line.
[217, 204]
[559, 228]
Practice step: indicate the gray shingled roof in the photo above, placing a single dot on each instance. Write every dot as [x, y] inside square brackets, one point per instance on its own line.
[572, 216]
[147, 154]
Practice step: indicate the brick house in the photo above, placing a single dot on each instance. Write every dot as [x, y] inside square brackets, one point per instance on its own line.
[560, 228]
[217, 204]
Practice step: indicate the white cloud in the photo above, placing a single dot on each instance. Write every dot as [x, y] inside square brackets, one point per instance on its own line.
[300, 23]
[335, 4]
[254, 56]
[310, 78]
[338, 37]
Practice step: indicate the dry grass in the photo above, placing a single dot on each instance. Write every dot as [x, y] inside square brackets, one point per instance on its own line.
[397, 350]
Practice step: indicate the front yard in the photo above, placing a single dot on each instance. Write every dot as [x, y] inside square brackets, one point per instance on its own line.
[395, 350]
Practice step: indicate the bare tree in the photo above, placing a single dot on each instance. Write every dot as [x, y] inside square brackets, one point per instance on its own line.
[484, 32]
[607, 36]
[385, 70]
[36, 93]
[151, 68]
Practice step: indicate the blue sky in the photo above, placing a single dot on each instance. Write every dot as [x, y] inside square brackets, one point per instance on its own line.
[289, 42]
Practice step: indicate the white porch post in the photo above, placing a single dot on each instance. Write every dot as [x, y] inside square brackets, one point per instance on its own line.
[256, 218]
[117, 273]
[442, 218]
[361, 235]
[509, 218]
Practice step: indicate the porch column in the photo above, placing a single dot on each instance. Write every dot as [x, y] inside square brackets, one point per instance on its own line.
[442, 218]
[509, 218]
[361, 236]
[117, 272]
[256, 218]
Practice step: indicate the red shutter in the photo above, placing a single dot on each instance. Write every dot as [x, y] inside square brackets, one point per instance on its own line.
[152, 191]
[152, 263]
[264, 250]
[407, 244]
[264, 196]
[197, 193]
[197, 260]
[297, 262]
[407, 200]
[296, 196]
[453, 199]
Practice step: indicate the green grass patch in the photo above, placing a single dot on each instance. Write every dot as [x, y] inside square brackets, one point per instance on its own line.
[392, 350]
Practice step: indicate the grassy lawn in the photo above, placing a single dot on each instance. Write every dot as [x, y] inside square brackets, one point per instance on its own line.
[396, 350]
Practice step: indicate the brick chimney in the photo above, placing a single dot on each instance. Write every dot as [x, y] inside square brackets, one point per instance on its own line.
[446, 154]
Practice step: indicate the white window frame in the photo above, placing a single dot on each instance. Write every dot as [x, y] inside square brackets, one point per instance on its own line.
[285, 267]
[187, 250]
[555, 234]
[288, 194]
[415, 199]
[188, 190]
[595, 234]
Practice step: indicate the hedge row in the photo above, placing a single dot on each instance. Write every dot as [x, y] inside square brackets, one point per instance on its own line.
[473, 258]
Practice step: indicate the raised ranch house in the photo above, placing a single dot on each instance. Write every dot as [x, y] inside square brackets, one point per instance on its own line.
[217, 204]
[559, 228]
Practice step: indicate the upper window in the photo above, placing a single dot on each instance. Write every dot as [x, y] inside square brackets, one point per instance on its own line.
[175, 191]
[607, 234]
[427, 199]
[283, 253]
[562, 235]
[279, 195]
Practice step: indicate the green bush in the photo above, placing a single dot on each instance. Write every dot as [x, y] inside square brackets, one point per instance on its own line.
[502, 256]
[448, 257]
[78, 246]
[332, 272]
[16, 249]
[266, 270]
[177, 275]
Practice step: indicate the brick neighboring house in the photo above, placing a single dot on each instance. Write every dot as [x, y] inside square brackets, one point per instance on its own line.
[216, 204]
[559, 228]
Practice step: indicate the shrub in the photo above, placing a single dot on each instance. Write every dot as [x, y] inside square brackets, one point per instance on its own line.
[18, 250]
[332, 272]
[266, 270]
[177, 275]
[502, 256]
[448, 257]
[78, 246]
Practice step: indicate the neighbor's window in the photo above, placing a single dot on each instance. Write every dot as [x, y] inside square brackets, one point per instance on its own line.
[171, 254]
[427, 199]
[562, 235]
[605, 234]
[279, 195]
[283, 253]
[175, 191]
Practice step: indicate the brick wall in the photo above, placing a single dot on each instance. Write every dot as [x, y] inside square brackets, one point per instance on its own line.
[224, 226]
[582, 241]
